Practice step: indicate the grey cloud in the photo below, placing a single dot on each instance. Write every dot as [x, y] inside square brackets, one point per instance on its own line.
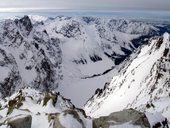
[88, 4]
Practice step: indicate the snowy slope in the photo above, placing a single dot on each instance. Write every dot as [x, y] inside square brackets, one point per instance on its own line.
[142, 84]
[74, 55]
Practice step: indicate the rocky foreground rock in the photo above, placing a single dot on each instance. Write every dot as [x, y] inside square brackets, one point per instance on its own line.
[129, 117]
[20, 121]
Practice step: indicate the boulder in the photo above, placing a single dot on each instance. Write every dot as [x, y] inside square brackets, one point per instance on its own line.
[20, 121]
[130, 116]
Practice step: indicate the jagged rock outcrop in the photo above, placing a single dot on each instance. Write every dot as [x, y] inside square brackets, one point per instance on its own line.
[29, 108]
[54, 119]
[24, 24]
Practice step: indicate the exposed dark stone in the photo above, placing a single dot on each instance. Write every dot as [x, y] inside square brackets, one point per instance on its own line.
[166, 52]
[98, 91]
[26, 22]
[28, 67]
[95, 58]
[159, 42]
[157, 125]
[8, 85]
[47, 70]
[36, 45]
[120, 59]
[126, 51]
[165, 123]
[70, 29]
[50, 96]
[80, 61]
[88, 19]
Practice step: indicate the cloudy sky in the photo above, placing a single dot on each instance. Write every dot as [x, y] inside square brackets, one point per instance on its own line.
[88, 4]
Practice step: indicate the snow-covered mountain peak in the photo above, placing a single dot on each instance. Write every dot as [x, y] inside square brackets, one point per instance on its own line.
[24, 24]
[143, 80]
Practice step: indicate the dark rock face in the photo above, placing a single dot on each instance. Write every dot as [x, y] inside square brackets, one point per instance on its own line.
[70, 30]
[20, 121]
[13, 80]
[49, 78]
[24, 23]
[89, 20]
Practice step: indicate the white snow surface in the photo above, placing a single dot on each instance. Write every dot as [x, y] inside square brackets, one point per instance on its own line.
[154, 118]
[125, 125]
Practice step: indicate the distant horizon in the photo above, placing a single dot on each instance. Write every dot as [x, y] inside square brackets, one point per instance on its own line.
[72, 10]
[130, 14]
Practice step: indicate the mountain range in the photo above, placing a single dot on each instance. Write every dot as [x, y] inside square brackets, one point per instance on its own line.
[75, 57]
